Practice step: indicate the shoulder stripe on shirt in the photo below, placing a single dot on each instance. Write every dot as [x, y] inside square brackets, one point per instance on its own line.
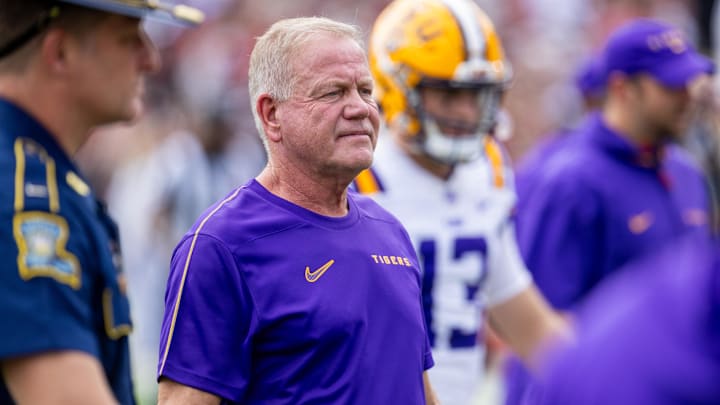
[24, 147]
[184, 276]
[19, 175]
[495, 155]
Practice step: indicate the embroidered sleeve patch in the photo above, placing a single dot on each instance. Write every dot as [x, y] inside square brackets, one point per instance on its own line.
[42, 239]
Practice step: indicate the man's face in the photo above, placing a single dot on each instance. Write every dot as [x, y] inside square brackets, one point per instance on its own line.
[457, 112]
[329, 125]
[454, 121]
[665, 111]
[111, 66]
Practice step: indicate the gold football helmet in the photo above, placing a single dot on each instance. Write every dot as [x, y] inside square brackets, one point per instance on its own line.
[436, 43]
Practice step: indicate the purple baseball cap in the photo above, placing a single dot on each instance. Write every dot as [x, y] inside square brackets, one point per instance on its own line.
[656, 48]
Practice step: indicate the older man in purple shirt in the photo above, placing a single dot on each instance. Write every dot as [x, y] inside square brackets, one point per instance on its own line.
[293, 290]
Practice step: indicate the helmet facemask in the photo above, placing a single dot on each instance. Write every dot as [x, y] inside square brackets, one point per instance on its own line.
[451, 141]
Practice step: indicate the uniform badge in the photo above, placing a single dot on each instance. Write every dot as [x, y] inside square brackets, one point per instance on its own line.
[41, 239]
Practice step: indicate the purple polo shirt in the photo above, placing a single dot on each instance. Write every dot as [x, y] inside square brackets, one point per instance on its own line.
[602, 202]
[269, 303]
[650, 335]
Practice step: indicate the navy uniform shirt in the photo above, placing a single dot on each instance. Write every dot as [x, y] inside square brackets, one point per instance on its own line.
[602, 202]
[60, 282]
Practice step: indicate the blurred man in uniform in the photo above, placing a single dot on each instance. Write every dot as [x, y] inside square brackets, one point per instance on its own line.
[66, 67]
[440, 76]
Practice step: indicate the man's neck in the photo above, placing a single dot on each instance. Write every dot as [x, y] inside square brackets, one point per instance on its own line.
[45, 104]
[621, 123]
[326, 197]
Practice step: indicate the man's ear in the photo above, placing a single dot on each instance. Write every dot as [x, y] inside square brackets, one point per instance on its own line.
[54, 51]
[620, 84]
[267, 110]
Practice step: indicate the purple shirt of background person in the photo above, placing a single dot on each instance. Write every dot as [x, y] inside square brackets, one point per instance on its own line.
[603, 202]
[619, 187]
[596, 205]
[651, 335]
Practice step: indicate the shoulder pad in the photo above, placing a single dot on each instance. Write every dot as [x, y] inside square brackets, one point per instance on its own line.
[499, 162]
[367, 182]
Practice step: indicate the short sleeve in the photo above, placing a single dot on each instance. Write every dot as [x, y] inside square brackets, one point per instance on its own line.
[209, 320]
[44, 291]
[507, 274]
[428, 361]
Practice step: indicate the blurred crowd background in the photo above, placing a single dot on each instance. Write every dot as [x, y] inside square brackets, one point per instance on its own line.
[197, 139]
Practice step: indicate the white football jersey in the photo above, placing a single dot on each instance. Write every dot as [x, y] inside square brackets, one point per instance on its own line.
[464, 236]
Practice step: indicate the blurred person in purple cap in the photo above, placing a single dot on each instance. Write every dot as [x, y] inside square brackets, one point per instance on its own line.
[621, 188]
[650, 334]
[590, 82]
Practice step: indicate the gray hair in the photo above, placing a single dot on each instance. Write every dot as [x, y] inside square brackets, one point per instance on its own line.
[271, 61]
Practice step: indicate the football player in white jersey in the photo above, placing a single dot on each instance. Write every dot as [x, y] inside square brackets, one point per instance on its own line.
[440, 75]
